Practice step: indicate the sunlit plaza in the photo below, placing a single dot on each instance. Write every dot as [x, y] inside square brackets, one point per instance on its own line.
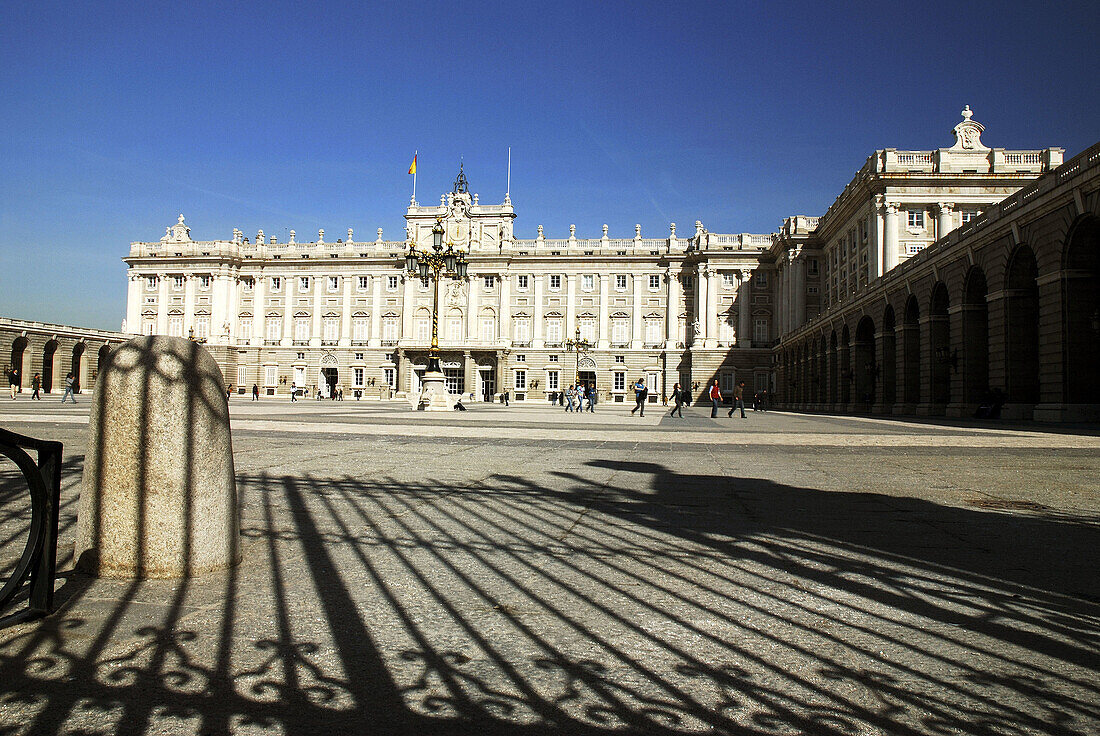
[526, 570]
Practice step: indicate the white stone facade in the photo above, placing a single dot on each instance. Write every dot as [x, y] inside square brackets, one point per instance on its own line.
[675, 308]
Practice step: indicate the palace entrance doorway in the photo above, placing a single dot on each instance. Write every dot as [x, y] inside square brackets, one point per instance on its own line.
[329, 378]
[587, 379]
[486, 383]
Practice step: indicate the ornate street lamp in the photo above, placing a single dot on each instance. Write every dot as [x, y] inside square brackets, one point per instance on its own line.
[578, 346]
[432, 268]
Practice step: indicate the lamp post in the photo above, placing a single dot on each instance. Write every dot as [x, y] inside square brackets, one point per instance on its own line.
[432, 268]
[578, 346]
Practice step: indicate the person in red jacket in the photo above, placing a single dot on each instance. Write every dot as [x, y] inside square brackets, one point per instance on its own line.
[715, 398]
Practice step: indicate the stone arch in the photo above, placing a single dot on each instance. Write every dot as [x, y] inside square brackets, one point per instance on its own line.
[49, 360]
[975, 324]
[1022, 327]
[18, 357]
[911, 351]
[939, 336]
[845, 359]
[889, 362]
[77, 364]
[834, 379]
[101, 360]
[1081, 318]
[865, 366]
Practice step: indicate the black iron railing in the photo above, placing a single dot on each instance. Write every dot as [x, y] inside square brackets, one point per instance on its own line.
[38, 563]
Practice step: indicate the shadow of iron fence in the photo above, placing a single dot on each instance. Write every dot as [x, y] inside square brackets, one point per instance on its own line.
[33, 574]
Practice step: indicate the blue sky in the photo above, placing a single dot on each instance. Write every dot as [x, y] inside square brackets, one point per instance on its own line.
[280, 116]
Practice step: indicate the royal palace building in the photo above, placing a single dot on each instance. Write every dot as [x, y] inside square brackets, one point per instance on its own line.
[533, 316]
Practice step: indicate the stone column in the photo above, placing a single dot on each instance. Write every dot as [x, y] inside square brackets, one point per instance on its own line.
[408, 307]
[376, 311]
[317, 284]
[163, 305]
[890, 255]
[712, 308]
[744, 310]
[220, 302]
[700, 312]
[799, 293]
[135, 288]
[259, 310]
[469, 371]
[570, 306]
[636, 336]
[874, 241]
[538, 333]
[944, 219]
[345, 313]
[188, 303]
[604, 326]
[505, 307]
[672, 311]
[290, 288]
[471, 309]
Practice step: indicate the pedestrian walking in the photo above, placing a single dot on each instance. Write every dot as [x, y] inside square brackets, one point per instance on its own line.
[592, 398]
[13, 381]
[641, 392]
[293, 392]
[715, 397]
[678, 400]
[69, 383]
[36, 383]
[255, 392]
[570, 395]
[506, 392]
[229, 392]
[764, 400]
[738, 400]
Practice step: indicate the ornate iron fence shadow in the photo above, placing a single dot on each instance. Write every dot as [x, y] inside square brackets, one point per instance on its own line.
[38, 563]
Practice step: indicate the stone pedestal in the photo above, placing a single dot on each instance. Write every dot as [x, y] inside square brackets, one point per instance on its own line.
[159, 497]
[434, 396]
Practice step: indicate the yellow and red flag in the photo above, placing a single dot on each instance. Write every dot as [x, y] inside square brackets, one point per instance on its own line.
[412, 169]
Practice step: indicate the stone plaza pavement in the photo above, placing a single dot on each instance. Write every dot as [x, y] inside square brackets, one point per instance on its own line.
[525, 571]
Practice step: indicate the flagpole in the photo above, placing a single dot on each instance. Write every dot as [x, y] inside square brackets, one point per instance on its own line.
[508, 188]
[415, 153]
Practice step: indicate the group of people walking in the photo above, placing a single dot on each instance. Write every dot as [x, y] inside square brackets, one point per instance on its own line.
[575, 397]
[36, 385]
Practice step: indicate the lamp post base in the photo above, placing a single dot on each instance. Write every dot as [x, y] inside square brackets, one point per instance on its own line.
[433, 394]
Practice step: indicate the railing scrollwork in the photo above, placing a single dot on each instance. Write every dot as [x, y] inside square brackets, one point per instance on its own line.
[38, 563]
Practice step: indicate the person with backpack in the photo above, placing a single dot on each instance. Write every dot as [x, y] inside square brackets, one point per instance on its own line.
[641, 392]
[678, 400]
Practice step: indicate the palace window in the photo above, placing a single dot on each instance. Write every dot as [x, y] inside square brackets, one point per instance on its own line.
[149, 326]
[271, 375]
[553, 358]
[968, 215]
[652, 330]
[177, 282]
[916, 218]
[357, 377]
[301, 328]
[521, 282]
[389, 376]
[300, 356]
[274, 328]
[362, 282]
[204, 282]
[521, 379]
[811, 266]
[488, 328]
[391, 283]
[276, 283]
[242, 375]
[175, 326]
[522, 329]
[588, 328]
[454, 327]
[555, 282]
[360, 328]
[553, 330]
[620, 358]
[620, 330]
[246, 328]
[689, 281]
[490, 281]
[620, 282]
[760, 330]
[654, 281]
[331, 329]
[303, 283]
[389, 329]
[619, 382]
[423, 328]
[333, 283]
[359, 356]
[151, 282]
[727, 280]
[588, 282]
[761, 279]
[553, 380]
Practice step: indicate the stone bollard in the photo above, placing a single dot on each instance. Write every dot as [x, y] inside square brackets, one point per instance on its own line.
[159, 497]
